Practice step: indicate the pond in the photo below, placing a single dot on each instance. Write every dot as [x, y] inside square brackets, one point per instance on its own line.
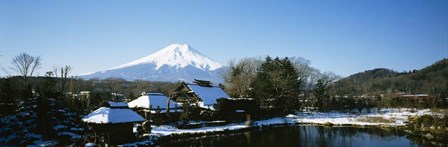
[304, 135]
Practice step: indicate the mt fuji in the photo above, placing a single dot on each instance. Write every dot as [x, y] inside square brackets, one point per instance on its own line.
[176, 62]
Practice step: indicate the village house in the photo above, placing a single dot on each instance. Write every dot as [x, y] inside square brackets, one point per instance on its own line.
[154, 103]
[201, 92]
[419, 98]
[117, 97]
[113, 124]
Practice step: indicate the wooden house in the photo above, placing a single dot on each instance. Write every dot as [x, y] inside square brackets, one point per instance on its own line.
[113, 124]
[201, 92]
[418, 98]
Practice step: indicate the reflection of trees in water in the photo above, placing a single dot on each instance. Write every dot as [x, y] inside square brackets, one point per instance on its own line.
[300, 136]
[343, 136]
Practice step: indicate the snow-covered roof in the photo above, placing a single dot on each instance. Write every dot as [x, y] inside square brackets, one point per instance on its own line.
[140, 102]
[118, 105]
[154, 99]
[106, 115]
[208, 94]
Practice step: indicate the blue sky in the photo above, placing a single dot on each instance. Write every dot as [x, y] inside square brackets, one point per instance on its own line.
[345, 37]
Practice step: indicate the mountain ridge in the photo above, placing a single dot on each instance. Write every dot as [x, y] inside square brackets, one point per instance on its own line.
[176, 62]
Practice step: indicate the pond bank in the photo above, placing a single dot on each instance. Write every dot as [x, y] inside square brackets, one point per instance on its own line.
[297, 135]
[381, 117]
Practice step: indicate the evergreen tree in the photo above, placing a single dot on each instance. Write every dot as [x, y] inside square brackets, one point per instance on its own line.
[7, 98]
[320, 93]
[276, 85]
[321, 89]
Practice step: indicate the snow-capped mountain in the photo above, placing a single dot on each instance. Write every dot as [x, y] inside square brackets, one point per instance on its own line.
[173, 63]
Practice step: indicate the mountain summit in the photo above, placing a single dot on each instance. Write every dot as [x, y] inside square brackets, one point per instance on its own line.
[172, 63]
[177, 55]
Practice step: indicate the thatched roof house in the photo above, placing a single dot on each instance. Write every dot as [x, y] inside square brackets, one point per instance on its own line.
[117, 112]
[200, 91]
[155, 102]
[114, 122]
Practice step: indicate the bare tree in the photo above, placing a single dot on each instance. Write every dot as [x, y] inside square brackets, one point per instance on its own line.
[64, 73]
[240, 75]
[114, 85]
[141, 86]
[25, 65]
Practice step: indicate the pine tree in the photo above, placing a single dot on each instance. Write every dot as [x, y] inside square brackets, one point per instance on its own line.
[320, 93]
[7, 98]
[276, 85]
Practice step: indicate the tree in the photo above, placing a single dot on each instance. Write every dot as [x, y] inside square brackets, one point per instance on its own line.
[141, 86]
[7, 105]
[64, 73]
[276, 85]
[114, 86]
[240, 75]
[25, 65]
[304, 71]
[49, 89]
[321, 87]
[307, 78]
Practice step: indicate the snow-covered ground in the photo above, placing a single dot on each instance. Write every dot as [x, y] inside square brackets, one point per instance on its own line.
[21, 129]
[390, 117]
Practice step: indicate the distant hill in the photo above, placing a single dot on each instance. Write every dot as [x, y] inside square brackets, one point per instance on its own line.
[368, 75]
[433, 78]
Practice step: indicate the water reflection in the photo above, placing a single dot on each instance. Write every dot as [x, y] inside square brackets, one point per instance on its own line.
[302, 136]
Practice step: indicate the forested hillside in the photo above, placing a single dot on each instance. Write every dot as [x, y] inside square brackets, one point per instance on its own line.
[430, 80]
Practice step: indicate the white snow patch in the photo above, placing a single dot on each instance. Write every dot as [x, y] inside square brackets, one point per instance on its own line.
[337, 118]
[168, 130]
[57, 127]
[72, 135]
[41, 142]
[399, 115]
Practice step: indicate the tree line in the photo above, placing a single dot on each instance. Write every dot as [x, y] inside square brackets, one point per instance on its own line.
[285, 85]
[278, 85]
[58, 84]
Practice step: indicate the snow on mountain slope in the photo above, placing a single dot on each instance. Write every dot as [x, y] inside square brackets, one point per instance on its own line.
[173, 63]
[177, 55]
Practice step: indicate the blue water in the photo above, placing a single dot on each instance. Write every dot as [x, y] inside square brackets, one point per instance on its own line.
[302, 136]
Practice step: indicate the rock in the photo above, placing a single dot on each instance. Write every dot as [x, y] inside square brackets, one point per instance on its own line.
[408, 131]
[429, 136]
[90, 144]
[328, 124]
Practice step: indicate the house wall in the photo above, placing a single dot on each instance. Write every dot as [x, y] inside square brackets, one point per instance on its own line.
[185, 94]
[115, 134]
